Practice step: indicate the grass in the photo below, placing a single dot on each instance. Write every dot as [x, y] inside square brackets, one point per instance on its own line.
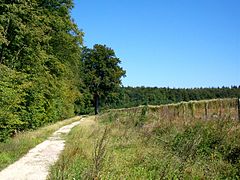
[139, 145]
[16, 147]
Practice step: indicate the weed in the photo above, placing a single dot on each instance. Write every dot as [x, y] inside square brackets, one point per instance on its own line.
[99, 154]
[143, 117]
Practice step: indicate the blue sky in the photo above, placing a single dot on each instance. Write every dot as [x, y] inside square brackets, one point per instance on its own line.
[167, 43]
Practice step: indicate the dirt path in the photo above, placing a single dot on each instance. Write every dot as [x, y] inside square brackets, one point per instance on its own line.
[35, 164]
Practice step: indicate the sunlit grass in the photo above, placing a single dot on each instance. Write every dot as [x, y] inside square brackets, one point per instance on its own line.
[139, 145]
[16, 147]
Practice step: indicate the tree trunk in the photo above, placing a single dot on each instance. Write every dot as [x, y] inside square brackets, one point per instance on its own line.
[96, 103]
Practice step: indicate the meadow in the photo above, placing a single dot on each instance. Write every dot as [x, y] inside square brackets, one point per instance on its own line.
[138, 143]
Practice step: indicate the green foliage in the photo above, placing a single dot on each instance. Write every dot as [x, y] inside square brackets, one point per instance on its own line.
[40, 47]
[210, 142]
[135, 96]
[191, 143]
[102, 72]
[142, 118]
[12, 94]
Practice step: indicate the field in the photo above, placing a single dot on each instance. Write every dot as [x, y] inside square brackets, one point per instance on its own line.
[138, 144]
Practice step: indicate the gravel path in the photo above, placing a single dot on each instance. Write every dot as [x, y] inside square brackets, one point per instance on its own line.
[35, 164]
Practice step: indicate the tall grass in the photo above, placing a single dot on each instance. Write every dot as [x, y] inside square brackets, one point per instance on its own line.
[140, 145]
[16, 147]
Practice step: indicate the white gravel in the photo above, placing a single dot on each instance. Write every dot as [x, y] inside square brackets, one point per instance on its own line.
[35, 164]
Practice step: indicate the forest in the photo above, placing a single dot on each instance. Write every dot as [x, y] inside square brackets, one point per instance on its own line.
[40, 48]
[47, 74]
[135, 96]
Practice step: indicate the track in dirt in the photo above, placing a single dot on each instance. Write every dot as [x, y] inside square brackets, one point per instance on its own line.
[35, 164]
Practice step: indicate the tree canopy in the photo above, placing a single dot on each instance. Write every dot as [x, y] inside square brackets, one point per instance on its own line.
[40, 48]
[102, 71]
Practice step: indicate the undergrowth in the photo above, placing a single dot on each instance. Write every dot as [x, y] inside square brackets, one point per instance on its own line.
[139, 145]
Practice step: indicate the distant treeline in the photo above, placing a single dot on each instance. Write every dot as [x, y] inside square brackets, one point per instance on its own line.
[135, 96]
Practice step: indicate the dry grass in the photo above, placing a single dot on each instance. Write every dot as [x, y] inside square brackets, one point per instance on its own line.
[204, 109]
[142, 145]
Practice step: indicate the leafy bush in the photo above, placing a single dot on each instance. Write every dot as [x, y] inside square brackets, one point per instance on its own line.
[12, 94]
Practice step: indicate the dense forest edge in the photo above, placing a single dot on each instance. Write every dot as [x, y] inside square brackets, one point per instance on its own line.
[47, 74]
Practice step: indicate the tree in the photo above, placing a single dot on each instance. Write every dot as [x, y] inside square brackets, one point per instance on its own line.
[40, 46]
[102, 72]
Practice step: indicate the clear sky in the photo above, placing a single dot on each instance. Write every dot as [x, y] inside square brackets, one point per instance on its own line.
[167, 43]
